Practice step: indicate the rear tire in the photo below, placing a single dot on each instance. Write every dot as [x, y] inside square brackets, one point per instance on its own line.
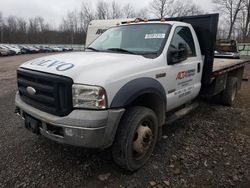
[135, 138]
[229, 94]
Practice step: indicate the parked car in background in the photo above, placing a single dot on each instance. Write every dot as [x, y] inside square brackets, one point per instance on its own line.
[33, 49]
[29, 49]
[57, 49]
[37, 49]
[10, 52]
[45, 49]
[3, 51]
[24, 49]
[65, 48]
[15, 50]
[15, 46]
[69, 49]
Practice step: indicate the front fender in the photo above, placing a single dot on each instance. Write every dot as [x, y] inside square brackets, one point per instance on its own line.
[135, 88]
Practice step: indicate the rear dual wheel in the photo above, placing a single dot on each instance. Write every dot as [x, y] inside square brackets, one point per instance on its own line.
[136, 138]
[230, 92]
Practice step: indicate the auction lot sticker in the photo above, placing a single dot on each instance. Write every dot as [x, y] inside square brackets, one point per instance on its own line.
[155, 36]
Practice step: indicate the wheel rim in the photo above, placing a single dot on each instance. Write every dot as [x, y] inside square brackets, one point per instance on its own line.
[234, 93]
[143, 140]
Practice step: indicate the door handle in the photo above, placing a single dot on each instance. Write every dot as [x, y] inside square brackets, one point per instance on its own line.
[198, 67]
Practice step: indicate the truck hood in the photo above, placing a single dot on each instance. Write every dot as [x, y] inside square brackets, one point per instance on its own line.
[94, 68]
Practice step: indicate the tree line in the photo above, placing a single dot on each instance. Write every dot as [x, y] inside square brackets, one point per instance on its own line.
[235, 20]
[73, 27]
[14, 29]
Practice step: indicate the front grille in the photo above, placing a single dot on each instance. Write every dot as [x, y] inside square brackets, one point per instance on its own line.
[53, 93]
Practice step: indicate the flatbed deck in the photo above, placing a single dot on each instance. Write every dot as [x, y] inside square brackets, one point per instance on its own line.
[228, 64]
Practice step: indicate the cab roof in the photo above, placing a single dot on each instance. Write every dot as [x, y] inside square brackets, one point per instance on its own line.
[157, 22]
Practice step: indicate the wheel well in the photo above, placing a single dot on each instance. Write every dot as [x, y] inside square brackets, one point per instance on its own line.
[237, 73]
[154, 102]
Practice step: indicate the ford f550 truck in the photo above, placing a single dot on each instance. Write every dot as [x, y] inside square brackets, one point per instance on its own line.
[118, 92]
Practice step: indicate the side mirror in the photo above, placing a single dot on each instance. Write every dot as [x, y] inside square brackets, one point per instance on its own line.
[177, 55]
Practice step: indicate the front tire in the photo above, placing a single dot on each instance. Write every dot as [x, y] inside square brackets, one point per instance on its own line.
[136, 138]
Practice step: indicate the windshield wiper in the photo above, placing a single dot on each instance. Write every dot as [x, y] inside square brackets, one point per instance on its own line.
[90, 48]
[120, 50]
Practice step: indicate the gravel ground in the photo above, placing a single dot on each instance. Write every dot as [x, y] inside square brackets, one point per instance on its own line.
[208, 148]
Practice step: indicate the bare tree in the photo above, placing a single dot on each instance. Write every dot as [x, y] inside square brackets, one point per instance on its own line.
[128, 11]
[1, 19]
[22, 30]
[41, 24]
[102, 11]
[231, 10]
[36, 30]
[193, 9]
[173, 8]
[221, 33]
[1, 27]
[115, 10]
[161, 8]
[245, 20]
[33, 25]
[187, 8]
[86, 15]
[12, 23]
[70, 24]
[142, 13]
[33, 30]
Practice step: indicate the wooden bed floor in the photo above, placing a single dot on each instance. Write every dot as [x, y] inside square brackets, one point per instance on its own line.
[220, 64]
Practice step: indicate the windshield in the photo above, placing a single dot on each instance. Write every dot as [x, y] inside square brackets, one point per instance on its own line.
[135, 39]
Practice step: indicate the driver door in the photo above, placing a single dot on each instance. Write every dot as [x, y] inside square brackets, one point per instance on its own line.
[183, 82]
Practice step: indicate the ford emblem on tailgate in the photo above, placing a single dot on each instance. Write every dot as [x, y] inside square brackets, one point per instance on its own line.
[31, 90]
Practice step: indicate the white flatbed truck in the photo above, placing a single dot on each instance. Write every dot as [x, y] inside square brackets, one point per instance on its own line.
[118, 92]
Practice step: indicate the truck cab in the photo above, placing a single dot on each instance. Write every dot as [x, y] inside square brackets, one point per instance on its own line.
[117, 93]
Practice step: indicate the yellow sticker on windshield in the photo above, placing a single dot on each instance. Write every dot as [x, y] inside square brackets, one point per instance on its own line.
[155, 36]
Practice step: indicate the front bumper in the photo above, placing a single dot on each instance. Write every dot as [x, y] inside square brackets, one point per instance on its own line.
[85, 128]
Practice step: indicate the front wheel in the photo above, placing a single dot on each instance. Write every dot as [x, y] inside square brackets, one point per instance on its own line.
[136, 138]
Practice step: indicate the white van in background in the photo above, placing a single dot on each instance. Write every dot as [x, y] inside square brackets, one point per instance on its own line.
[98, 27]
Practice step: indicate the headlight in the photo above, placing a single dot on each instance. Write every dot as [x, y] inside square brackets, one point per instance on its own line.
[92, 97]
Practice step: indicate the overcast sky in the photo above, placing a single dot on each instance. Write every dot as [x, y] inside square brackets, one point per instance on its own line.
[54, 10]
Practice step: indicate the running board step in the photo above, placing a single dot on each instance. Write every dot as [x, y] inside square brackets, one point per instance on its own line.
[179, 114]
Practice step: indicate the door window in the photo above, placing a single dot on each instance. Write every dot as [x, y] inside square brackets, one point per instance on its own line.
[183, 35]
